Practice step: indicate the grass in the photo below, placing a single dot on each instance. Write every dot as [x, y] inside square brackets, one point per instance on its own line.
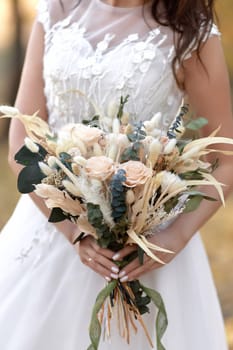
[217, 235]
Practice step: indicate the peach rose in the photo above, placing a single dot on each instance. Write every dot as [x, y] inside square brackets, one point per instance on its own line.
[89, 135]
[136, 173]
[99, 167]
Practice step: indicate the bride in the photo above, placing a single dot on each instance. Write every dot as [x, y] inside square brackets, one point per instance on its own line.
[157, 52]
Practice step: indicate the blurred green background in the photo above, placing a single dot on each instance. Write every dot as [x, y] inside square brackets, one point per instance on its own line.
[16, 18]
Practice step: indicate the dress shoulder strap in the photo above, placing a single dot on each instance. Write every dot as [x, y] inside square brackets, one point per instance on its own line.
[43, 14]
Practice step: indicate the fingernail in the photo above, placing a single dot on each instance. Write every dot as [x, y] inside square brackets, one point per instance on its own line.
[122, 274]
[114, 276]
[116, 257]
[115, 269]
[124, 279]
[108, 279]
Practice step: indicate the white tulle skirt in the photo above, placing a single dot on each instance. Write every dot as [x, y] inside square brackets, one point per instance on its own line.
[46, 293]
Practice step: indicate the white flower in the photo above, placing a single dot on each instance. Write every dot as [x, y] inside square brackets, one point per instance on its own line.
[45, 169]
[51, 161]
[112, 109]
[97, 150]
[125, 118]
[7, 110]
[74, 152]
[113, 151]
[156, 119]
[169, 147]
[71, 188]
[171, 182]
[80, 161]
[116, 126]
[34, 148]
[122, 141]
[130, 197]
[149, 125]
[154, 151]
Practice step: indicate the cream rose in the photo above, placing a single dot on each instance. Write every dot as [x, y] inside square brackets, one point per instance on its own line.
[136, 173]
[87, 134]
[99, 167]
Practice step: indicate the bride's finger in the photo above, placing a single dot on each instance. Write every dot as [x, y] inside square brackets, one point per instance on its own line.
[142, 269]
[102, 251]
[124, 252]
[108, 264]
[132, 266]
[101, 270]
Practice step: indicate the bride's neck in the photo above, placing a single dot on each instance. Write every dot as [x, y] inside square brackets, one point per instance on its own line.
[125, 3]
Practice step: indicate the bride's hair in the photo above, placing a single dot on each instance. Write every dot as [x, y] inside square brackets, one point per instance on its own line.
[190, 19]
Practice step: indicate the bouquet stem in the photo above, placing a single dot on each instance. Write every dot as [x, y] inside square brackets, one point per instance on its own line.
[130, 301]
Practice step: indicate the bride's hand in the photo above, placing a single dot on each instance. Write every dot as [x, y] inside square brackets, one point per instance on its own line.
[97, 258]
[165, 239]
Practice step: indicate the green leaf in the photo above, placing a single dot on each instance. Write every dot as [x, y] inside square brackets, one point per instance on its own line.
[203, 195]
[118, 193]
[66, 159]
[57, 215]
[25, 157]
[191, 175]
[79, 238]
[192, 204]
[161, 319]
[141, 255]
[170, 204]
[28, 177]
[129, 154]
[123, 101]
[197, 124]
[95, 326]
[96, 219]
[94, 122]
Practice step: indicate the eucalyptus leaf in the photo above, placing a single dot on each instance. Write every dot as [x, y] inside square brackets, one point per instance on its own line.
[95, 326]
[96, 219]
[202, 194]
[25, 157]
[129, 154]
[191, 175]
[192, 204]
[197, 124]
[66, 159]
[28, 177]
[118, 194]
[170, 204]
[161, 319]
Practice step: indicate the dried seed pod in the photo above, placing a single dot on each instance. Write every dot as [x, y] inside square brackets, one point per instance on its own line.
[31, 145]
[71, 188]
[45, 169]
[154, 152]
[130, 197]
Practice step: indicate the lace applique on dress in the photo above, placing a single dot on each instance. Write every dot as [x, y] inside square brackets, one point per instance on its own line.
[101, 58]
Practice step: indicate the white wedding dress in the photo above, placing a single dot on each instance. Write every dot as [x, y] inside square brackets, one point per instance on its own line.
[46, 293]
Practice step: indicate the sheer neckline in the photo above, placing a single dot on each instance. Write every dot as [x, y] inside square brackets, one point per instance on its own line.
[105, 6]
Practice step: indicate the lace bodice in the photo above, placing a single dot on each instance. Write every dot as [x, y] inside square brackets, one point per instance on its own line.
[97, 52]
